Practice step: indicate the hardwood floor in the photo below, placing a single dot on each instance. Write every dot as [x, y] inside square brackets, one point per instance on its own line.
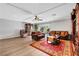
[19, 47]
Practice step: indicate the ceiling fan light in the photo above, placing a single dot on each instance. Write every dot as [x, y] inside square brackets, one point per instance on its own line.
[36, 18]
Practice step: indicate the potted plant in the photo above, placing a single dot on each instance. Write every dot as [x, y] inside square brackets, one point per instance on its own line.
[36, 27]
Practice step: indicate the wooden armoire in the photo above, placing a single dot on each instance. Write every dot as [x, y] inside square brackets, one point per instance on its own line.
[75, 28]
[28, 28]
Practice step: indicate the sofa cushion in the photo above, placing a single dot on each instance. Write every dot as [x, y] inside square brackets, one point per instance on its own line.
[66, 33]
[62, 33]
[52, 33]
[58, 32]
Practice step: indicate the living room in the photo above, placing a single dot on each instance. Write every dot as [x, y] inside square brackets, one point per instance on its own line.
[38, 29]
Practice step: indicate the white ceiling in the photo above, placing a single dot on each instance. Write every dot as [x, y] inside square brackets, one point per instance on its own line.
[25, 12]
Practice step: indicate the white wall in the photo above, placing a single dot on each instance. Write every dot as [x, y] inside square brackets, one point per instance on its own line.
[9, 29]
[64, 25]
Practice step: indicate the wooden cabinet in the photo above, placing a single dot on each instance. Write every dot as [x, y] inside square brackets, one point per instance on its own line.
[75, 29]
[28, 28]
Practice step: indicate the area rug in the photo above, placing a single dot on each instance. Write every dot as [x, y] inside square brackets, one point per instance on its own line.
[63, 49]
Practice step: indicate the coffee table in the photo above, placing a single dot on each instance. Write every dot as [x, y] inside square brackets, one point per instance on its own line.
[56, 42]
[53, 40]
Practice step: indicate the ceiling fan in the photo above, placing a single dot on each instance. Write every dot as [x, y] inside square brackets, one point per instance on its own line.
[37, 18]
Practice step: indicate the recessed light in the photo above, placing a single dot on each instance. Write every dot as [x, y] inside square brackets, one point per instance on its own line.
[53, 14]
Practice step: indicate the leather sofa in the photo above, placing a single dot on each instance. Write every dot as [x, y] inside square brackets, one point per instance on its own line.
[37, 35]
[63, 34]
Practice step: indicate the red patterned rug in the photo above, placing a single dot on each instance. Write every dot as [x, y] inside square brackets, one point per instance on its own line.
[63, 49]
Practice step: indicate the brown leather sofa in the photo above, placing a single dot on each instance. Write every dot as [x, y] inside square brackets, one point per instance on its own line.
[37, 35]
[63, 34]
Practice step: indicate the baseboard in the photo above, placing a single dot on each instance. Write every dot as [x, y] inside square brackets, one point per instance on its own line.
[9, 37]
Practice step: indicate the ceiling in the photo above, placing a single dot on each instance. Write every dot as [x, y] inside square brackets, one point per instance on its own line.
[25, 12]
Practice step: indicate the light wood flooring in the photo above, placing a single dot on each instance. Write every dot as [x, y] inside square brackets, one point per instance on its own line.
[19, 47]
